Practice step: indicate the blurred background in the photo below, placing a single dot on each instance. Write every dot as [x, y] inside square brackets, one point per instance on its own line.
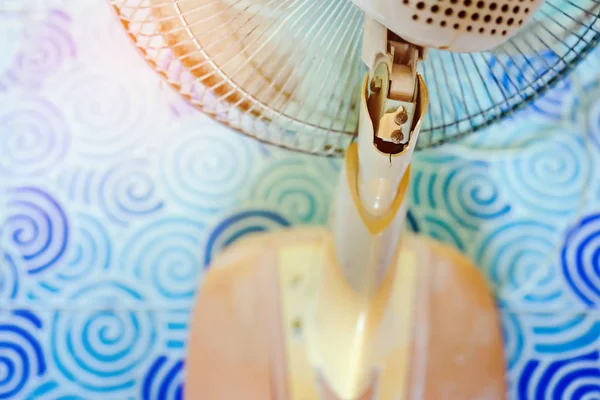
[115, 194]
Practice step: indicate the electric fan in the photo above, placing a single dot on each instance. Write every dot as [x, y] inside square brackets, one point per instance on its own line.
[362, 309]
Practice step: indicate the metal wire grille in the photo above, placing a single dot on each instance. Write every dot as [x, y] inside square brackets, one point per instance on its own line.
[288, 72]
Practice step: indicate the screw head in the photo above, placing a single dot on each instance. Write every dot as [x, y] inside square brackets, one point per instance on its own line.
[401, 116]
[397, 136]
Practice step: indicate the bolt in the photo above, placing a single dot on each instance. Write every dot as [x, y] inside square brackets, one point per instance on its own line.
[401, 117]
[397, 136]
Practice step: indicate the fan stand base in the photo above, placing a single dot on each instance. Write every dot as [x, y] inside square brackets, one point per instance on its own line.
[248, 339]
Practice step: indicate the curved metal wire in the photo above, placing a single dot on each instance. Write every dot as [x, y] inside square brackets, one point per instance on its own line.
[288, 72]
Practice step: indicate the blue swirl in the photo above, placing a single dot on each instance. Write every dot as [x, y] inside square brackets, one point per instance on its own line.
[168, 254]
[293, 188]
[442, 230]
[9, 276]
[548, 177]
[206, 169]
[164, 380]
[514, 339]
[51, 388]
[21, 355]
[580, 259]
[576, 378]
[128, 191]
[564, 332]
[238, 225]
[37, 226]
[33, 136]
[517, 253]
[101, 346]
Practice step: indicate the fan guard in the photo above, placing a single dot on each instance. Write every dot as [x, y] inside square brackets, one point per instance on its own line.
[288, 72]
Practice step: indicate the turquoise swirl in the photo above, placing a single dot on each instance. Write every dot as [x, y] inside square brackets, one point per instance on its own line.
[103, 346]
[9, 275]
[295, 189]
[167, 254]
[206, 169]
[164, 380]
[549, 176]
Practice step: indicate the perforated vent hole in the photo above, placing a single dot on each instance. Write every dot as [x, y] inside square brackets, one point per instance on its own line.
[481, 30]
[468, 3]
[493, 6]
[499, 20]
[520, 22]
[435, 8]
[443, 23]
[469, 28]
[405, 2]
[420, 5]
[487, 18]
[429, 20]
[415, 17]
[448, 11]
[505, 8]
[516, 9]
[527, 11]
[456, 26]
[510, 21]
[480, 4]
[503, 33]
[462, 14]
[475, 17]
[493, 32]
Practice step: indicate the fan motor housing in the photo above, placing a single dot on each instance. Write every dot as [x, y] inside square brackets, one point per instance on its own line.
[454, 25]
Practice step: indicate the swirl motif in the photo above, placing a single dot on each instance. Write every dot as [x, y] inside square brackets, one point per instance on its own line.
[164, 380]
[205, 170]
[37, 227]
[33, 136]
[516, 72]
[576, 378]
[127, 191]
[109, 118]
[293, 188]
[517, 256]
[9, 276]
[436, 226]
[101, 346]
[580, 259]
[549, 176]
[465, 190]
[51, 388]
[514, 339]
[21, 355]
[46, 46]
[564, 332]
[168, 254]
[238, 225]
[593, 113]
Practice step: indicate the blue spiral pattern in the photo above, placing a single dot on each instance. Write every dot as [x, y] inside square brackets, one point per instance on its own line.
[576, 378]
[296, 190]
[465, 190]
[238, 225]
[549, 177]
[116, 195]
[205, 169]
[46, 47]
[167, 254]
[103, 347]
[22, 358]
[580, 258]
[33, 136]
[52, 390]
[517, 257]
[37, 226]
[9, 276]
[164, 380]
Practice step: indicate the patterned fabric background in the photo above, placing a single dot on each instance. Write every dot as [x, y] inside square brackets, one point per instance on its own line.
[115, 195]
